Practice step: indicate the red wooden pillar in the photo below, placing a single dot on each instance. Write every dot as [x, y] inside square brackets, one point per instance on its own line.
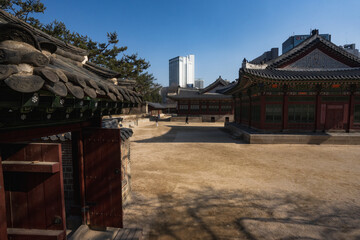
[351, 113]
[285, 111]
[3, 225]
[262, 111]
[318, 113]
[80, 157]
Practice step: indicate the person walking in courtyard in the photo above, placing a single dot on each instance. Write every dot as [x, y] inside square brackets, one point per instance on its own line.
[157, 121]
[187, 119]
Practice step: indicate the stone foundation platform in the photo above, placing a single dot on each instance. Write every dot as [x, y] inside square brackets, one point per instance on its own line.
[253, 137]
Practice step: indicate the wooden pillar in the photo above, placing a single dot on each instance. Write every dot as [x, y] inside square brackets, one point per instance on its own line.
[80, 157]
[262, 111]
[351, 113]
[3, 224]
[207, 107]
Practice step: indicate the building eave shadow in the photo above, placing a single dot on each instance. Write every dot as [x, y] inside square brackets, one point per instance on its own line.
[193, 134]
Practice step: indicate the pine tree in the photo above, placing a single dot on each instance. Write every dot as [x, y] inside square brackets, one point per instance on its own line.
[104, 54]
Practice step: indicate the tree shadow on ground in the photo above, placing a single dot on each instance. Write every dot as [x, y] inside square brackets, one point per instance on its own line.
[225, 214]
[193, 134]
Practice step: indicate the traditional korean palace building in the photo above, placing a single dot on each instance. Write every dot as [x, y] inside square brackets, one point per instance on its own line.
[205, 103]
[313, 87]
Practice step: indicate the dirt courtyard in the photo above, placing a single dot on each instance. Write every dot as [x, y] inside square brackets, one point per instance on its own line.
[196, 182]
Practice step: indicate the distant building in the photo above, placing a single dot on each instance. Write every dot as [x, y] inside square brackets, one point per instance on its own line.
[182, 71]
[206, 104]
[199, 83]
[295, 40]
[266, 56]
[350, 48]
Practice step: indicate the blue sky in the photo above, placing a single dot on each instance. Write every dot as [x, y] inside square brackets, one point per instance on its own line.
[219, 32]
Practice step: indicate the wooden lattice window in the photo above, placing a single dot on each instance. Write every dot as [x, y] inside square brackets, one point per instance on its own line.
[194, 107]
[301, 113]
[357, 113]
[183, 107]
[273, 113]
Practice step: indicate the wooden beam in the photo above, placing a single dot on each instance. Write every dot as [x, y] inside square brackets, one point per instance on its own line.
[27, 166]
[3, 224]
[19, 135]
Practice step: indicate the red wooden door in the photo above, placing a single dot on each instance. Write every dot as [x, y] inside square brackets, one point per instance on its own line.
[102, 166]
[33, 190]
[334, 117]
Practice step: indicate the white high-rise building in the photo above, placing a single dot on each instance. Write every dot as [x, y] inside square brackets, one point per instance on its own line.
[182, 71]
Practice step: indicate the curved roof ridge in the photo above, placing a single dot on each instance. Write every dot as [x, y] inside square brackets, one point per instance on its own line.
[314, 69]
[305, 45]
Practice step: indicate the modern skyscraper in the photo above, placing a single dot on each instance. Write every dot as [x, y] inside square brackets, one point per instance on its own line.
[182, 71]
[295, 40]
[199, 83]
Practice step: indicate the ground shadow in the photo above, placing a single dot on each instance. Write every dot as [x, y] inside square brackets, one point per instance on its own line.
[224, 214]
[193, 134]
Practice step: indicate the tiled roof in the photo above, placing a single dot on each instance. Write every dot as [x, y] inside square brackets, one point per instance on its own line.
[218, 82]
[348, 74]
[195, 94]
[226, 88]
[32, 61]
[162, 105]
